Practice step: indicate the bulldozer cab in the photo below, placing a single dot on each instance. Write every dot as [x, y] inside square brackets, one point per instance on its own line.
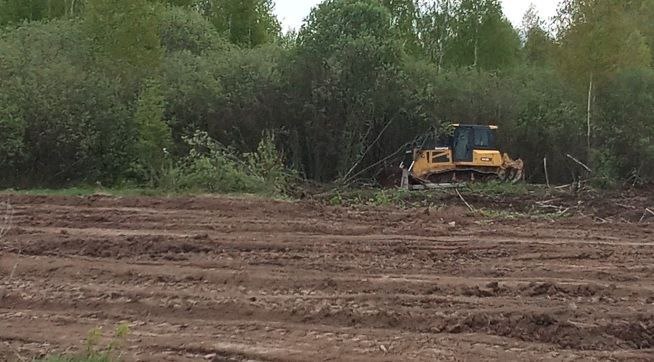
[468, 138]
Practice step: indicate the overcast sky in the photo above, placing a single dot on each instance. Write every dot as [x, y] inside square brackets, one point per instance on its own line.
[293, 12]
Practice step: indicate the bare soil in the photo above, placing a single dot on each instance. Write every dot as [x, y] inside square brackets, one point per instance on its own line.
[232, 279]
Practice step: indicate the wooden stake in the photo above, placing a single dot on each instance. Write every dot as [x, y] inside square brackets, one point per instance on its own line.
[547, 176]
[588, 120]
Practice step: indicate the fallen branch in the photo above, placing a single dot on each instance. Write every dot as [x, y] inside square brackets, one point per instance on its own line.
[645, 214]
[625, 206]
[579, 162]
[464, 201]
[347, 181]
[365, 153]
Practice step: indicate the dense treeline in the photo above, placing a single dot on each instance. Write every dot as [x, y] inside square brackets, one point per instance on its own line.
[116, 91]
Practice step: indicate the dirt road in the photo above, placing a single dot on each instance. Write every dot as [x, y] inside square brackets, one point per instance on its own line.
[245, 279]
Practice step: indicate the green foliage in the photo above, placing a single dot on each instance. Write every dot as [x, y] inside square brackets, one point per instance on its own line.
[268, 164]
[245, 22]
[111, 26]
[94, 91]
[539, 45]
[212, 167]
[12, 130]
[154, 135]
[625, 127]
[181, 29]
[347, 65]
[72, 123]
[484, 37]
[93, 351]
[598, 38]
[17, 11]
[498, 188]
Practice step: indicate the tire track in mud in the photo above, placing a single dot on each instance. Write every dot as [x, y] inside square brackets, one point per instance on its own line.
[267, 280]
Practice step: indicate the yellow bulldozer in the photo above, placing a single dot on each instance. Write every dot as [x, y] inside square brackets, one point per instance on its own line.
[468, 154]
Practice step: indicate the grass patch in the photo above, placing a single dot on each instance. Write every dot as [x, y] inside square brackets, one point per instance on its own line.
[496, 188]
[100, 357]
[94, 351]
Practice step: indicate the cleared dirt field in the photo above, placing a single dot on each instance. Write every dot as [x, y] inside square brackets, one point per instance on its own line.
[246, 279]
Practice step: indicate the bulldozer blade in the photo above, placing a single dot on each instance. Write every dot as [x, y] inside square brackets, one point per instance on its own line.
[512, 170]
[518, 176]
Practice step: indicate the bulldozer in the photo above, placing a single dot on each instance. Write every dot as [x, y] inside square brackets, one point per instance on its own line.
[468, 154]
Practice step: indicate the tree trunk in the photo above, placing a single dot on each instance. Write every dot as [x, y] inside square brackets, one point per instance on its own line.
[588, 119]
[476, 48]
[547, 175]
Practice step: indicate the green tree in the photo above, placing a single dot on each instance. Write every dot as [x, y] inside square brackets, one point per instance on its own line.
[404, 18]
[16, 11]
[435, 28]
[12, 130]
[483, 37]
[344, 78]
[625, 128]
[112, 26]
[245, 22]
[538, 44]
[599, 38]
[184, 29]
[154, 135]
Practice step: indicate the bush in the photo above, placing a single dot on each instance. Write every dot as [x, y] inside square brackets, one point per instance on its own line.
[212, 167]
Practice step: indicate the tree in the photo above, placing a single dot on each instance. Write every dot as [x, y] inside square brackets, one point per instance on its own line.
[154, 136]
[598, 39]
[111, 26]
[404, 18]
[183, 29]
[483, 38]
[538, 44]
[245, 22]
[349, 55]
[625, 128]
[435, 29]
[16, 11]
[12, 130]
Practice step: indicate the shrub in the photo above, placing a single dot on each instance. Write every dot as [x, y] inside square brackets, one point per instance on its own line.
[212, 167]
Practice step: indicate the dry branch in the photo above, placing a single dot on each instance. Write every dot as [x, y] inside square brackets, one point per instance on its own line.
[363, 156]
[579, 162]
[464, 201]
[647, 210]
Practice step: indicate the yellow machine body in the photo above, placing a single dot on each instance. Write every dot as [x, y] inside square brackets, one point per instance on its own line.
[428, 162]
[471, 155]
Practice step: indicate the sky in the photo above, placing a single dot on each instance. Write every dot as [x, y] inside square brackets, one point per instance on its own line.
[292, 12]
